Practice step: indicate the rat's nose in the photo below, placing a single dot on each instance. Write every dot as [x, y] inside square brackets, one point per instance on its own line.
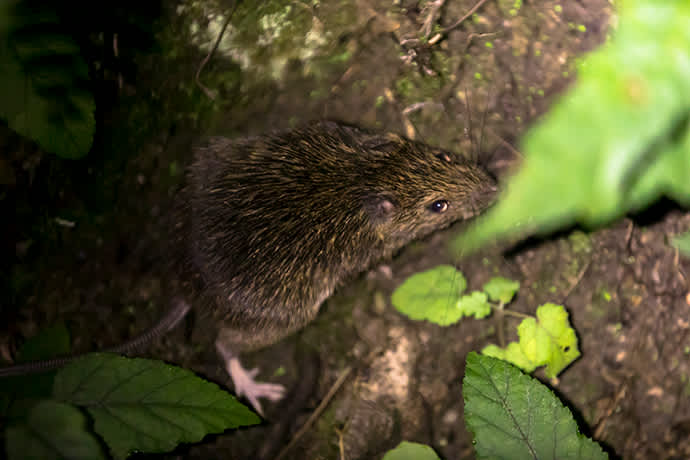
[484, 197]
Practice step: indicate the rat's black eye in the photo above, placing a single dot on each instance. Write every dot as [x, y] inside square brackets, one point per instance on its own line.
[439, 206]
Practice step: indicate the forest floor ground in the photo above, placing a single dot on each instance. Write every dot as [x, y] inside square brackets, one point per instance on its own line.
[85, 246]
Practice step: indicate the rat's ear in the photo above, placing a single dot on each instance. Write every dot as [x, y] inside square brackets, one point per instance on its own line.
[380, 208]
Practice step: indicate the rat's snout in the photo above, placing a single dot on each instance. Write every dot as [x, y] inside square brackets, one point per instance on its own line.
[488, 193]
[491, 189]
[481, 199]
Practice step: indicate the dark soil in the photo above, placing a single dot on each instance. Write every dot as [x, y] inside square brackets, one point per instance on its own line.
[369, 63]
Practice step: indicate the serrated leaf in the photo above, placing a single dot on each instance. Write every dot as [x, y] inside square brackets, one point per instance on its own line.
[431, 295]
[591, 164]
[52, 430]
[411, 451]
[43, 81]
[547, 341]
[514, 417]
[501, 289]
[474, 304]
[146, 405]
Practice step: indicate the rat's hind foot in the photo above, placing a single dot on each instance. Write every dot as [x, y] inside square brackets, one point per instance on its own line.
[245, 385]
[244, 382]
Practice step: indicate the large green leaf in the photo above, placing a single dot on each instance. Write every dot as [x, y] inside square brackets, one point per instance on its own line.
[52, 430]
[145, 405]
[432, 295]
[515, 417]
[44, 80]
[617, 141]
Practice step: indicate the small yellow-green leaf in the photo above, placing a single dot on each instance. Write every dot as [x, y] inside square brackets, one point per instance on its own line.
[411, 451]
[501, 289]
[431, 295]
[475, 304]
[511, 353]
[547, 341]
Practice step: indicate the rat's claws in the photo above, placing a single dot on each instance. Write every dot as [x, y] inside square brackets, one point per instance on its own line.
[245, 385]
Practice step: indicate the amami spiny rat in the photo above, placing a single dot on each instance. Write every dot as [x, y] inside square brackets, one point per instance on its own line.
[272, 224]
[267, 227]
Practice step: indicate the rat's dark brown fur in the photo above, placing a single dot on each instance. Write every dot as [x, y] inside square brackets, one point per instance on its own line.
[273, 223]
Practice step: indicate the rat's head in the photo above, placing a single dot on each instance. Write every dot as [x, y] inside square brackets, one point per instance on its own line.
[416, 189]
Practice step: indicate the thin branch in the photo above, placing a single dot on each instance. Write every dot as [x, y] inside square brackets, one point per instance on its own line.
[577, 281]
[433, 7]
[516, 314]
[210, 93]
[462, 19]
[317, 413]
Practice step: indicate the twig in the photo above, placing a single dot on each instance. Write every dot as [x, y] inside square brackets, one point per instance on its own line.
[212, 94]
[516, 314]
[420, 105]
[470, 128]
[431, 16]
[64, 222]
[577, 281]
[462, 19]
[315, 415]
[500, 316]
[481, 126]
[116, 53]
[598, 431]
[341, 444]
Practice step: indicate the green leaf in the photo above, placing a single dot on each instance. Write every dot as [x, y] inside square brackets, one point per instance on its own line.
[411, 451]
[591, 163]
[52, 430]
[514, 417]
[511, 353]
[475, 304]
[50, 342]
[546, 341]
[682, 243]
[44, 81]
[431, 295]
[501, 289]
[146, 405]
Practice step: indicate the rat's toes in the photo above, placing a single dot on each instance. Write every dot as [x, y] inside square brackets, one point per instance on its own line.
[246, 386]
